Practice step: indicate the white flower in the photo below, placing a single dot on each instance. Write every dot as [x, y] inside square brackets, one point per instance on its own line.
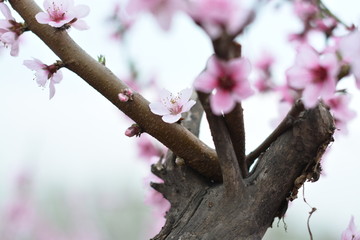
[171, 106]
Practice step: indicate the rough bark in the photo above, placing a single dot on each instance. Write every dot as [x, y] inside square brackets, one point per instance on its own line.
[201, 209]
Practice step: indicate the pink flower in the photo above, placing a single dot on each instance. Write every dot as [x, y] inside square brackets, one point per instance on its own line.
[10, 30]
[172, 106]
[305, 9]
[162, 10]
[349, 47]
[122, 22]
[148, 148]
[228, 79]
[215, 16]
[314, 74]
[350, 233]
[63, 12]
[46, 72]
[339, 107]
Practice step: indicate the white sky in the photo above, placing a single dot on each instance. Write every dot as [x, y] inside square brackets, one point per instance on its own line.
[77, 140]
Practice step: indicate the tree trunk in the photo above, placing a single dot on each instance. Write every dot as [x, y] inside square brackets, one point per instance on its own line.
[203, 209]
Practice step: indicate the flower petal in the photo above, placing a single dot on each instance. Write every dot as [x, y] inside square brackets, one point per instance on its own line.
[221, 101]
[171, 118]
[158, 109]
[187, 106]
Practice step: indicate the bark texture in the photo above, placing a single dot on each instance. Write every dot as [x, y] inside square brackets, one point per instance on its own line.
[201, 209]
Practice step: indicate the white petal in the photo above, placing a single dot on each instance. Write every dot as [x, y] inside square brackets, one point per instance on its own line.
[158, 109]
[187, 106]
[171, 118]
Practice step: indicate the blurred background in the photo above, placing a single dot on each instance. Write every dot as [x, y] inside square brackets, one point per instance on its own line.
[67, 171]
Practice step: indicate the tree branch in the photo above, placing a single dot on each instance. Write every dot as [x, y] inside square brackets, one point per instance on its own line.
[232, 179]
[285, 124]
[235, 124]
[200, 157]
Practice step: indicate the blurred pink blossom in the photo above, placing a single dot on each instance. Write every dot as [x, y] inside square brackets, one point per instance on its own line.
[228, 79]
[263, 66]
[44, 73]
[63, 12]
[314, 74]
[172, 106]
[148, 148]
[218, 15]
[339, 107]
[350, 232]
[162, 10]
[305, 9]
[349, 47]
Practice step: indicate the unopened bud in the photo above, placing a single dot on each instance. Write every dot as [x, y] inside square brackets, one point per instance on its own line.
[126, 95]
[133, 130]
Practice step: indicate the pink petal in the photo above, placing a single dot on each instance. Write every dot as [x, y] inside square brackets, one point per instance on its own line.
[51, 89]
[80, 25]
[298, 77]
[310, 95]
[239, 68]
[243, 91]
[221, 101]
[8, 37]
[43, 18]
[184, 96]
[14, 48]
[35, 64]
[41, 77]
[205, 82]
[307, 57]
[81, 11]
[57, 77]
[5, 10]
[171, 118]
[215, 66]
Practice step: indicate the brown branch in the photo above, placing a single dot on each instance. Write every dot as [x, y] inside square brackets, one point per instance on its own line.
[232, 179]
[285, 124]
[200, 157]
[235, 124]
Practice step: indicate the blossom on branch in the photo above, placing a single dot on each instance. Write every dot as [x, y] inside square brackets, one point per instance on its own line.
[46, 72]
[350, 232]
[172, 106]
[314, 74]
[63, 13]
[228, 79]
[10, 30]
[215, 16]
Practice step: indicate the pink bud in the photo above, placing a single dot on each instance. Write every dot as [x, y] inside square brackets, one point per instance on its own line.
[123, 97]
[126, 95]
[133, 130]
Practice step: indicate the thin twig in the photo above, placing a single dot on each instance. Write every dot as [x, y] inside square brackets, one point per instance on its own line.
[235, 124]
[285, 124]
[230, 169]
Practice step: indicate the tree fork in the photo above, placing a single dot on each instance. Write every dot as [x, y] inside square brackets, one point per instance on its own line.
[201, 210]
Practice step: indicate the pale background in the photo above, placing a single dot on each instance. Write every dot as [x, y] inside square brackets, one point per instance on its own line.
[75, 145]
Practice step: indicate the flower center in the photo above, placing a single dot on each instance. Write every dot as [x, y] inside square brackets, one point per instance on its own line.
[56, 13]
[319, 74]
[226, 83]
